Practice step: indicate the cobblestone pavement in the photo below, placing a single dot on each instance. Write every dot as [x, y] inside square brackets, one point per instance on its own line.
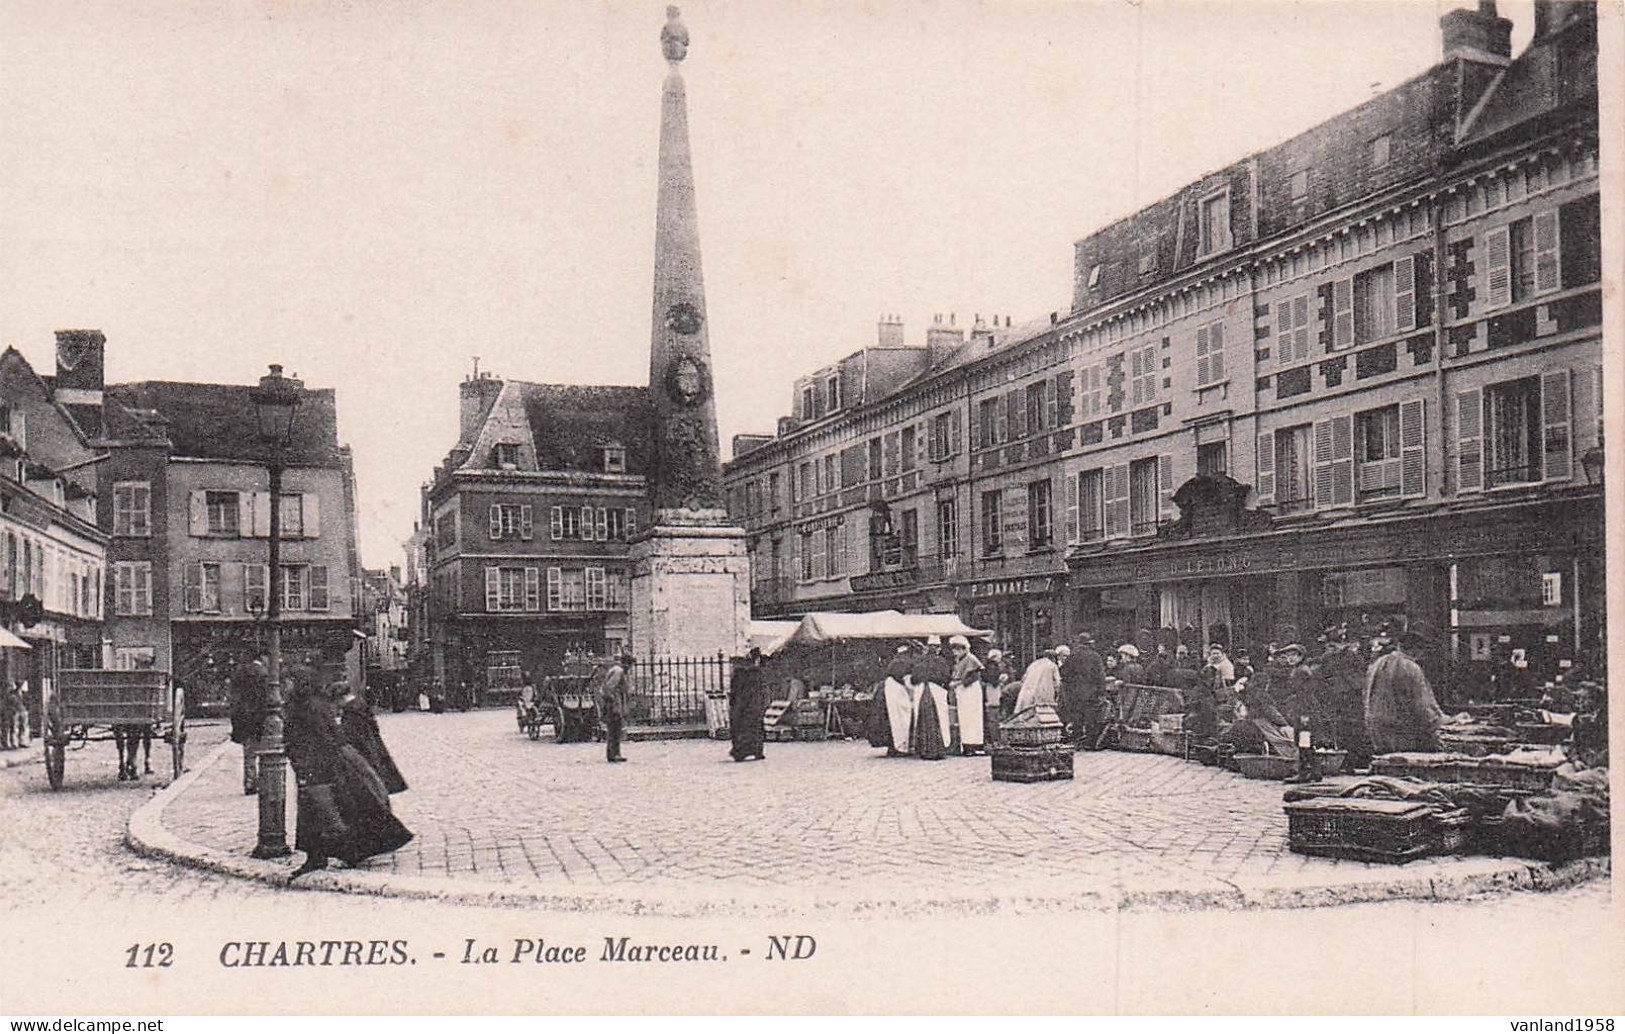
[838, 818]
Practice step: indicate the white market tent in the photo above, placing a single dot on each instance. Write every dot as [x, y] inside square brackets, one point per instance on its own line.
[816, 629]
[770, 636]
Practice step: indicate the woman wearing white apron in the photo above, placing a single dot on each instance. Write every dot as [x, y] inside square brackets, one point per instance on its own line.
[899, 702]
[968, 699]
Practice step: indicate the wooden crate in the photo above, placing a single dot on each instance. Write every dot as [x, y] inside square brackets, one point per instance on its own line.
[1031, 764]
[1368, 830]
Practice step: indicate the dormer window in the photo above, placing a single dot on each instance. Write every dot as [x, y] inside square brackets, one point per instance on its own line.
[832, 393]
[614, 459]
[1298, 186]
[508, 455]
[1094, 276]
[1215, 223]
[1380, 150]
[808, 400]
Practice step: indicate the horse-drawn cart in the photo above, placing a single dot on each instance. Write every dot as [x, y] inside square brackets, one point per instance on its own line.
[96, 705]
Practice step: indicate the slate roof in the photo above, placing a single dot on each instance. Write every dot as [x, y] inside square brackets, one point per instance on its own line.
[568, 425]
[217, 421]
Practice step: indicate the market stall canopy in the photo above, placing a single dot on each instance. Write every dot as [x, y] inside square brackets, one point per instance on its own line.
[880, 624]
[770, 636]
[12, 642]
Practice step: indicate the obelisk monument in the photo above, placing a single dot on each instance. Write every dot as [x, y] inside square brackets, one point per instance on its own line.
[690, 569]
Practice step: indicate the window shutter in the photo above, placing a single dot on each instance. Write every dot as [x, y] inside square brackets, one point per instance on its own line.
[1323, 463]
[1017, 412]
[319, 596]
[1556, 420]
[1469, 441]
[1215, 351]
[919, 445]
[1413, 449]
[1497, 268]
[245, 512]
[527, 523]
[1343, 460]
[493, 589]
[260, 511]
[533, 589]
[585, 530]
[194, 587]
[1165, 487]
[1116, 492]
[1266, 467]
[631, 523]
[555, 589]
[1283, 333]
[556, 523]
[975, 427]
[496, 521]
[1405, 293]
[1052, 403]
[198, 512]
[603, 524]
[954, 442]
[1204, 367]
[892, 448]
[1074, 485]
[1300, 325]
[1547, 279]
[939, 448]
[312, 507]
[1342, 313]
[1001, 422]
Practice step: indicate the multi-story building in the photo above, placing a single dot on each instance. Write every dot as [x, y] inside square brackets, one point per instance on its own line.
[51, 552]
[527, 526]
[384, 609]
[1354, 375]
[183, 493]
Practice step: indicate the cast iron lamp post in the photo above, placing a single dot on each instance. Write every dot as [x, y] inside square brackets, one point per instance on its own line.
[276, 402]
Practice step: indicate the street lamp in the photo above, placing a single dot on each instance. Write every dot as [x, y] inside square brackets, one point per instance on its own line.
[276, 402]
[1594, 464]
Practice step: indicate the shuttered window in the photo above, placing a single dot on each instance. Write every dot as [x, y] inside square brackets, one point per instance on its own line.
[1334, 462]
[1342, 314]
[1091, 502]
[1292, 330]
[1266, 467]
[1209, 354]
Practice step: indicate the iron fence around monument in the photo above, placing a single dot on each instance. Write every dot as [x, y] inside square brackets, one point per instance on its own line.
[674, 690]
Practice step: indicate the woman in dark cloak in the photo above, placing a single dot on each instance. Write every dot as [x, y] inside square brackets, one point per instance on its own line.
[343, 808]
[932, 673]
[747, 700]
[360, 730]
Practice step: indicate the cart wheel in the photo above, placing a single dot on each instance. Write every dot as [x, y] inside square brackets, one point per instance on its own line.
[56, 748]
[177, 734]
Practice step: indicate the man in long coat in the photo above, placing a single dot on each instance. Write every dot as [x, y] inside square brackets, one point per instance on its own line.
[248, 692]
[747, 700]
[614, 700]
[1401, 712]
[1083, 679]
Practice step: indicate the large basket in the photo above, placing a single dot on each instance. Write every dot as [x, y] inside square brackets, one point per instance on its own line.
[1473, 744]
[1266, 766]
[1368, 830]
[1031, 764]
[1130, 738]
[1498, 837]
[1543, 733]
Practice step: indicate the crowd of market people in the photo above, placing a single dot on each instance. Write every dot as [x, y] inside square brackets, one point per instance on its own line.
[1367, 691]
[345, 774]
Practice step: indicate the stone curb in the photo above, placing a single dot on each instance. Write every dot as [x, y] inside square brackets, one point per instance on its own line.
[1472, 877]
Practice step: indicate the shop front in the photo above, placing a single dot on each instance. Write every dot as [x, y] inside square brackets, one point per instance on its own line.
[1525, 574]
[1024, 613]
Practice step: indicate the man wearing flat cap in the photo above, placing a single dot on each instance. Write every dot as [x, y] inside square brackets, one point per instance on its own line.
[1401, 712]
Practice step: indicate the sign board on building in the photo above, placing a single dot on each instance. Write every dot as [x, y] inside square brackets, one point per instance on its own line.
[1036, 586]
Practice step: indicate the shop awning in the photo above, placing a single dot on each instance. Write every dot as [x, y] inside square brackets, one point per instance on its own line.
[880, 624]
[7, 639]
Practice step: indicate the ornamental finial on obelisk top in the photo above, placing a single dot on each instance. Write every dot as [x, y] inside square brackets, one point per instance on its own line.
[674, 37]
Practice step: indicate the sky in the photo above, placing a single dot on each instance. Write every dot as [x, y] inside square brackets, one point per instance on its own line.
[373, 194]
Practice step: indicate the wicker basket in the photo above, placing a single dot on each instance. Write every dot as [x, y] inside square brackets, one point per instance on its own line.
[1037, 726]
[1175, 744]
[1266, 766]
[1495, 836]
[1031, 764]
[1331, 762]
[1371, 830]
[1130, 738]
[1478, 745]
[1543, 733]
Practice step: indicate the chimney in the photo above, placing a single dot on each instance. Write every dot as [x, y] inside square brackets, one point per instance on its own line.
[80, 376]
[1552, 15]
[941, 340]
[1477, 35]
[479, 393]
[890, 332]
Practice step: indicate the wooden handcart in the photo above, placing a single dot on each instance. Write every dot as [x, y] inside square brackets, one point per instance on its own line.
[96, 705]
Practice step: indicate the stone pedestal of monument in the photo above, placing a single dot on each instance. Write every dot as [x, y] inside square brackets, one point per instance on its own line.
[690, 586]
